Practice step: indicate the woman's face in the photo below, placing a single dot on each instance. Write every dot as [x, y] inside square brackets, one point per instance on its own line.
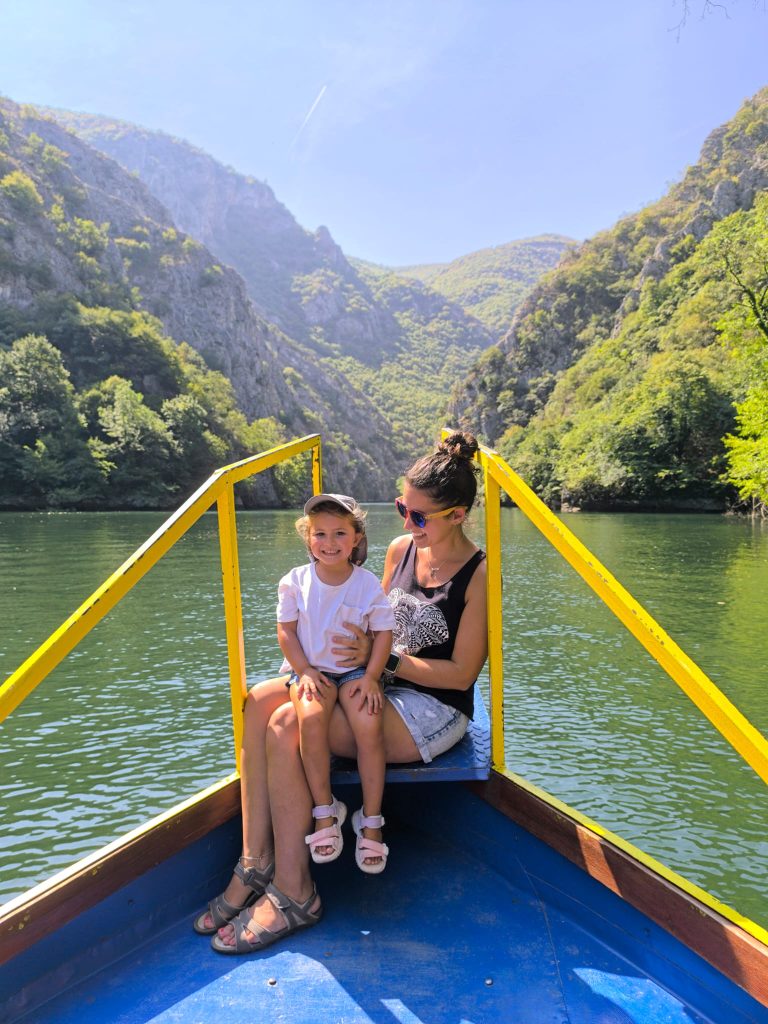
[434, 530]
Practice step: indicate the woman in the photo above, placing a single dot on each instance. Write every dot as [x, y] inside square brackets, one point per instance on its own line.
[435, 579]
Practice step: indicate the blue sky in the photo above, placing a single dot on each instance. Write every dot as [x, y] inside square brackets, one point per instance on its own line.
[415, 130]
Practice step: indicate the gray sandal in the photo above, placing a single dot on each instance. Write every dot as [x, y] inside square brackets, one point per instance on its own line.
[222, 911]
[296, 916]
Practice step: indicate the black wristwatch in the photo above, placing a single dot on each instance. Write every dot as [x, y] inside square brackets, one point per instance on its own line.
[393, 663]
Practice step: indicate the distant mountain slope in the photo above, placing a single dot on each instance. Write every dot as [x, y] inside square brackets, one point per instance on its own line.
[301, 281]
[353, 317]
[611, 387]
[372, 344]
[76, 228]
[491, 283]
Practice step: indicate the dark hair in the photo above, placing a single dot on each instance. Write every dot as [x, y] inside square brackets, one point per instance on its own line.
[449, 475]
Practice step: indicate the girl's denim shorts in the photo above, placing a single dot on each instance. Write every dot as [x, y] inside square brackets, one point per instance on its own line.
[435, 726]
[338, 677]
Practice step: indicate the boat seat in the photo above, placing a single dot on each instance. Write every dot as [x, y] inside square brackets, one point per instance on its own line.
[469, 759]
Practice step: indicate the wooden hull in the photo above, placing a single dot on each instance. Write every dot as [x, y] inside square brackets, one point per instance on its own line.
[467, 861]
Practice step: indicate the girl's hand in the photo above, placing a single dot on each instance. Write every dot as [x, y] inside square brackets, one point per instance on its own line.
[370, 692]
[353, 651]
[310, 685]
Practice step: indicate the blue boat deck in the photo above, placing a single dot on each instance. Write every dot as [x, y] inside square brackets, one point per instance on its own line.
[473, 921]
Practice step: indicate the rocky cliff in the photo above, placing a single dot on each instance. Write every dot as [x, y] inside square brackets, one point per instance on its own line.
[75, 222]
[611, 388]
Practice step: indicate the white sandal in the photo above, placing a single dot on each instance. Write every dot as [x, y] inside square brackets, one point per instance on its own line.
[366, 848]
[329, 836]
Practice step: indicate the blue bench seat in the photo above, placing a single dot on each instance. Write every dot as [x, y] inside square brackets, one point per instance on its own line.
[469, 759]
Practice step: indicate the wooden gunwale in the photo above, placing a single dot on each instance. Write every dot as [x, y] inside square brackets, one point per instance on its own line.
[725, 945]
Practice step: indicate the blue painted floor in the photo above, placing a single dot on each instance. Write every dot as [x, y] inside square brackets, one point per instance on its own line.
[439, 938]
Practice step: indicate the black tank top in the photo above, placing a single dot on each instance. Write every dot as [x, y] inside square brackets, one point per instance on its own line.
[427, 620]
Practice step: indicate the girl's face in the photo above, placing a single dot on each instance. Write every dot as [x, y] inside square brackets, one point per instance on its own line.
[434, 530]
[332, 538]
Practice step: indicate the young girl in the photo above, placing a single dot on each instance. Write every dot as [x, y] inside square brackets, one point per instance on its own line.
[313, 603]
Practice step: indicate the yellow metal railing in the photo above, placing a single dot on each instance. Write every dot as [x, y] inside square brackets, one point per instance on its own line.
[725, 717]
[219, 488]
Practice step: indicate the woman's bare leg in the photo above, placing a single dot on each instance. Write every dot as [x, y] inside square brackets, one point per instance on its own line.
[260, 704]
[399, 747]
[291, 805]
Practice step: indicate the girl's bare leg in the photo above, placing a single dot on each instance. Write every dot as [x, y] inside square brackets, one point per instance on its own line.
[260, 704]
[291, 804]
[368, 731]
[314, 717]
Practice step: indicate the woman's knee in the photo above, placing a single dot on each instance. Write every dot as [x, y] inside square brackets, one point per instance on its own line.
[283, 726]
[261, 701]
[365, 726]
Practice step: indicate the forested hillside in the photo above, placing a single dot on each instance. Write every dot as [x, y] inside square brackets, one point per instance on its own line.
[132, 362]
[491, 283]
[405, 344]
[634, 375]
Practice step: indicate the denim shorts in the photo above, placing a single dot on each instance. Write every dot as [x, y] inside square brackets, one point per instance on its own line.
[435, 726]
[336, 677]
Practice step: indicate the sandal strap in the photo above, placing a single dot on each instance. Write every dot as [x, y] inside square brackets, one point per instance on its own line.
[240, 923]
[370, 848]
[370, 821]
[293, 912]
[255, 878]
[330, 810]
[321, 837]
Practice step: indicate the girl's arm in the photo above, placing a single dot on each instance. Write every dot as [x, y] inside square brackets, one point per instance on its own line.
[288, 638]
[310, 679]
[369, 685]
[381, 650]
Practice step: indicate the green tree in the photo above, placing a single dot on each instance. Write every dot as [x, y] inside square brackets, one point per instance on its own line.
[45, 458]
[98, 342]
[744, 252]
[132, 442]
[22, 192]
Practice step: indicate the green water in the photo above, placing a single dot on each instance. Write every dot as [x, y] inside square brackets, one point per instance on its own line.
[137, 718]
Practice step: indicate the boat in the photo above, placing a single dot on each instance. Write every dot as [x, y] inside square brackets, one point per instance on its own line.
[499, 902]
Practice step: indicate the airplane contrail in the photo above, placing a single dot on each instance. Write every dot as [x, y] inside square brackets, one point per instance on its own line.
[311, 111]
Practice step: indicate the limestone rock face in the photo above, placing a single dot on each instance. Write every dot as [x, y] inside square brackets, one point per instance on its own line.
[96, 231]
[587, 298]
[299, 280]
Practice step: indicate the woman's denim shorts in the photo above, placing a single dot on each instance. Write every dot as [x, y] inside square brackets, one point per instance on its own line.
[435, 726]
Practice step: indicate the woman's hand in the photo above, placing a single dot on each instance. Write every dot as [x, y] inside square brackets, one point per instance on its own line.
[352, 651]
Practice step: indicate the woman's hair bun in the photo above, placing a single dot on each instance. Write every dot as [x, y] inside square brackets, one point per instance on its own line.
[460, 445]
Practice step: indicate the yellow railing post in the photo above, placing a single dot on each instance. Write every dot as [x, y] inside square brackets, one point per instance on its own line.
[725, 717]
[495, 621]
[39, 664]
[317, 470]
[233, 610]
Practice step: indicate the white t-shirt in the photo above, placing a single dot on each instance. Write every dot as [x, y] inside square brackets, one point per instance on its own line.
[320, 610]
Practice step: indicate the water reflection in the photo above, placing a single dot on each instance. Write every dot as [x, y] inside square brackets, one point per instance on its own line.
[138, 717]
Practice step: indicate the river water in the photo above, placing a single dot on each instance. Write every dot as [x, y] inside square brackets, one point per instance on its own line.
[138, 718]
